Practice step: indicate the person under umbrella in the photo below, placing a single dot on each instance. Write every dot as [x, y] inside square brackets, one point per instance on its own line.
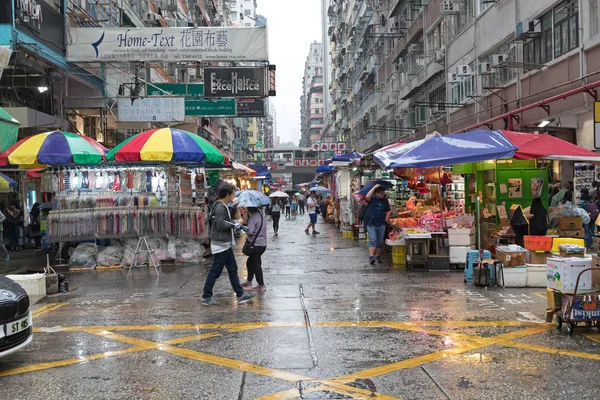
[35, 225]
[257, 235]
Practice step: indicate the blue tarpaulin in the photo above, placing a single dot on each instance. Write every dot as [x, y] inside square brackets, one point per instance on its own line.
[324, 169]
[438, 151]
[347, 157]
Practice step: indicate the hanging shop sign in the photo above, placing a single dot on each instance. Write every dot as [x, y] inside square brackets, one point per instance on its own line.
[5, 53]
[170, 109]
[168, 44]
[250, 108]
[335, 147]
[40, 20]
[195, 104]
[235, 82]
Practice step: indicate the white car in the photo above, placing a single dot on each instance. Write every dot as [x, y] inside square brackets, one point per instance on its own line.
[16, 330]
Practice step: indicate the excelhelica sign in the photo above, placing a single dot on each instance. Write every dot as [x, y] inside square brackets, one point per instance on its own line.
[235, 82]
[167, 44]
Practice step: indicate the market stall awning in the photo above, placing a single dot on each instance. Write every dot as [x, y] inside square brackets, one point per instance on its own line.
[439, 150]
[546, 146]
[6, 183]
[347, 157]
[243, 168]
[9, 130]
[324, 169]
[261, 170]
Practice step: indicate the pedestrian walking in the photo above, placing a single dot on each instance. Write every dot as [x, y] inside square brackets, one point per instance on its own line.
[288, 209]
[313, 209]
[276, 214]
[301, 203]
[222, 242]
[257, 239]
[2, 246]
[294, 203]
[35, 225]
[376, 218]
[13, 223]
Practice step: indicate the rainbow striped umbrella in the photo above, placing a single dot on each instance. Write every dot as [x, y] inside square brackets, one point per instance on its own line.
[167, 144]
[6, 183]
[54, 148]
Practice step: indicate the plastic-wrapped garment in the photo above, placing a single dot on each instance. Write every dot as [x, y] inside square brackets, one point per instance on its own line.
[159, 246]
[129, 251]
[189, 251]
[171, 249]
[84, 256]
[112, 255]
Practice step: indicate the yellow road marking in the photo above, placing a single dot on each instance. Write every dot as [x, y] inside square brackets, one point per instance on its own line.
[71, 361]
[593, 336]
[48, 308]
[540, 294]
[192, 338]
[225, 362]
[550, 350]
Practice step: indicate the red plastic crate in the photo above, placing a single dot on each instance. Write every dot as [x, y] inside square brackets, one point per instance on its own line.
[538, 243]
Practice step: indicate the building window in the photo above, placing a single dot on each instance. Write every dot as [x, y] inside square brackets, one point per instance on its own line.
[463, 90]
[437, 98]
[483, 5]
[594, 17]
[247, 13]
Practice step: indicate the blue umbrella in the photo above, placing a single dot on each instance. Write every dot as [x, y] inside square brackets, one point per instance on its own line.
[369, 185]
[347, 157]
[252, 198]
[319, 189]
[323, 169]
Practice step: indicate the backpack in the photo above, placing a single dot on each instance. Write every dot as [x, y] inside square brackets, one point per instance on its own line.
[362, 210]
[593, 211]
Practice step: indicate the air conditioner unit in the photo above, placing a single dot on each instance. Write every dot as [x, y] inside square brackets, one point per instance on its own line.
[528, 28]
[498, 59]
[440, 55]
[449, 7]
[484, 68]
[452, 77]
[402, 61]
[414, 48]
[150, 17]
[464, 70]
[405, 112]
[432, 112]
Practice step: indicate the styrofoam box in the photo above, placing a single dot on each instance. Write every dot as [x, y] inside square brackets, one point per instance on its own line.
[536, 275]
[562, 273]
[461, 237]
[515, 276]
[458, 254]
[34, 284]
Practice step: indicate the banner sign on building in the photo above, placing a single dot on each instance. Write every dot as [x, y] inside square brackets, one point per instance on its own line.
[235, 82]
[168, 44]
[250, 108]
[5, 53]
[168, 109]
[195, 104]
[335, 147]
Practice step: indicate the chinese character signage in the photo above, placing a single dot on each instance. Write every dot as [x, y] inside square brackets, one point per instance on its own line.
[298, 163]
[168, 109]
[235, 82]
[195, 104]
[329, 147]
[168, 44]
[341, 147]
[324, 147]
[40, 20]
[313, 163]
[316, 146]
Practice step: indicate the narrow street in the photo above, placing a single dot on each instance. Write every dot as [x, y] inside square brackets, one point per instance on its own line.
[329, 326]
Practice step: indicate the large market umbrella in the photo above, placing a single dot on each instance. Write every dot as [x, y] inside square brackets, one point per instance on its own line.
[6, 183]
[439, 150]
[369, 185]
[347, 157]
[54, 148]
[252, 198]
[167, 144]
[324, 169]
[548, 147]
[279, 194]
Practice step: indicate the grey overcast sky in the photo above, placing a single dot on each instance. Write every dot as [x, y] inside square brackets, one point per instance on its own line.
[292, 26]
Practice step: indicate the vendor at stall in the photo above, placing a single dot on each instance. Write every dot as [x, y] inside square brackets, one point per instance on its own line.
[538, 218]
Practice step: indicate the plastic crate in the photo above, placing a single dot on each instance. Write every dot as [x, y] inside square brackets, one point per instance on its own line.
[538, 243]
[565, 240]
[399, 259]
[347, 234]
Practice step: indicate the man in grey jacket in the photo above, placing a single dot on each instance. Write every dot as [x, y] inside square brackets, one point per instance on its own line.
[222, 242]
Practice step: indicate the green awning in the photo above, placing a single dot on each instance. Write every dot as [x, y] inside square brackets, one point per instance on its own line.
[9, 130]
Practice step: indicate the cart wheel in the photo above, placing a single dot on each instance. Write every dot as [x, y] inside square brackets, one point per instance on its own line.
[570, 327]
[559, 322]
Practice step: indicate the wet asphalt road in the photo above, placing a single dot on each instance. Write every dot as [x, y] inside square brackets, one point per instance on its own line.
[329, 326]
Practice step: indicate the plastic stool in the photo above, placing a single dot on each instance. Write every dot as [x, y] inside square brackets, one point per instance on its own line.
[472, 258]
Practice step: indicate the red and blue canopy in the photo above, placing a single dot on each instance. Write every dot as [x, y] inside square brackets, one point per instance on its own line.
[168, 145]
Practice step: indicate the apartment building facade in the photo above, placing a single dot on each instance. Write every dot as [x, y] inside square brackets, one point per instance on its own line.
[402, 69]
[312, 99]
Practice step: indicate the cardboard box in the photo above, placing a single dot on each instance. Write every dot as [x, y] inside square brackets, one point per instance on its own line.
[511, 258]
[576, 233]
[461, 237]
[562, 273]
[538, 258]
[596, 273]
[554, 299]
[570, 223]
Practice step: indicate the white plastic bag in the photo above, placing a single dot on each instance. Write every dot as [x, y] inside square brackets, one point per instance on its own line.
[84, 256]
[110, 256]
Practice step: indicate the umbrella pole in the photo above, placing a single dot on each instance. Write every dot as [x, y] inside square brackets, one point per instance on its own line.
[478, 202]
